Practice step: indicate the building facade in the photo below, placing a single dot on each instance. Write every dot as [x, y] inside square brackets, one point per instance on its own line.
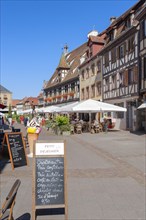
[110, 67]
[140, 23]
[5, 96]
[120, 67]
[90, 69]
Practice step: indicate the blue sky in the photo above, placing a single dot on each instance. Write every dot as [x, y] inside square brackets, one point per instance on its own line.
[33, 34]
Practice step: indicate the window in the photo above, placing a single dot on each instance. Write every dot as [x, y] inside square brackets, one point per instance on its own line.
[98, 66]
[98, 89]
[106, 84]
[113, 55]
[83, 75]
[121, 51]
[87, 73]
[106, 58]
[66, 88]
[113, 81]
[128, 22]
[82, 94]
[72, 86]
[87, 92]
[144, 69]
[93, 91]
[143, 29]
[93, 69]
[59, 90]
[131, 44]
[121, 79]
[54, 92]
[130, 76]
[5, 102]
[111, 35]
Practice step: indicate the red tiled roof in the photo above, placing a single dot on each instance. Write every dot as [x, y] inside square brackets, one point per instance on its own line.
[15, 102]
[33, 100]
[73, 61]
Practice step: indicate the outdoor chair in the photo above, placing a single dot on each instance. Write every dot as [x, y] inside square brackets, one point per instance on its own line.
[78, 128]
[100, 127]
[72, 129]
[6, 213]
[96, 129]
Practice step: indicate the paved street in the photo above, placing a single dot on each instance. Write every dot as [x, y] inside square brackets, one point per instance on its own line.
[106, 177]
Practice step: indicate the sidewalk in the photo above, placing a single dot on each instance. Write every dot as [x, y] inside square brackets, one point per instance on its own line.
[106, 177]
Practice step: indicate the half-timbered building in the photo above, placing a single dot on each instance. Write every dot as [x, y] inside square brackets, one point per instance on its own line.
[63, 87]
[120, 62]
[140, 23]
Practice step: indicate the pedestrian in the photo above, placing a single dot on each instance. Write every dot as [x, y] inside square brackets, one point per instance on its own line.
[105, 125]
[25, 121]
[1, 122]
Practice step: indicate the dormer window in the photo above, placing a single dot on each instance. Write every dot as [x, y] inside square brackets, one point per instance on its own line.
[111, 35]
[106, 58]
[128, 22]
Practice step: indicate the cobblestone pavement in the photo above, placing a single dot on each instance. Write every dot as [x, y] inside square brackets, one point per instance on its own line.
[106, 177]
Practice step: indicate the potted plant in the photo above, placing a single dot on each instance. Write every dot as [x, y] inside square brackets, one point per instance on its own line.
[62, 124]
[65, 129]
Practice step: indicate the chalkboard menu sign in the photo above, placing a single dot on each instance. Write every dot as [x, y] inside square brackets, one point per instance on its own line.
[49, 181]
[16, 148]
[49, 176]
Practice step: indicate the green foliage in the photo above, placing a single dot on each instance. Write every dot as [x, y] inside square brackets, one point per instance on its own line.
[62, 120]
[59, 124]
[15, 117]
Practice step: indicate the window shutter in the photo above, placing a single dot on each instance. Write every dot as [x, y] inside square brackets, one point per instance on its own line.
[125, 48]
[144, 69]
[118, 53]
[142, 30]
[136, 74]
[125, 78]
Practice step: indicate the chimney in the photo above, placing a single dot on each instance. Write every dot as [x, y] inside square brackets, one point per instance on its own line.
[92, 33]
[112, 19]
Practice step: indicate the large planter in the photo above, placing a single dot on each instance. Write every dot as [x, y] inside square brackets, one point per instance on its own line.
[31, 139]
[57, 130]
[65, 133]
